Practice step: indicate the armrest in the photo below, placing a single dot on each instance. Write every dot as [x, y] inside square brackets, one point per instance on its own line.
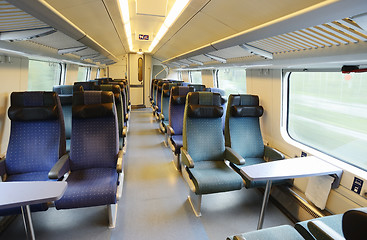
[272, 154]
[233, 156]
[2, 167]
[119, 164]
[161, 116]
[186, 158]
[60, 168]
[124, 131]
[170, 130]
[321, 231]
[126, 116]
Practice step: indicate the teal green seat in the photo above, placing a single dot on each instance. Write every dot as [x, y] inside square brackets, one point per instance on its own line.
[243, 135]
[203, 152]
[283, 232]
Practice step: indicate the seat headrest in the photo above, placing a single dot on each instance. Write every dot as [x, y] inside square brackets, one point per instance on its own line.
[179, 93]
[166, 88]
[87, 86]
[63, 89]
[93, 104]
[33, 106]
[204, 105]
[245, 105]
[113, 88]
[197, 87]
[66, 99]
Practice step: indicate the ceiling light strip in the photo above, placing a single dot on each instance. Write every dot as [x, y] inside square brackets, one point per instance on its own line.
[124, 11]
[173, 14]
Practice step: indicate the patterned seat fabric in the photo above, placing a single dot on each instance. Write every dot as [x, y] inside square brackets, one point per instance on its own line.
[119, 107]
[243, 135]
[37, 139]
[204, 141]
[165, 98]
[87, 86]
[176, 113]
[93, 153]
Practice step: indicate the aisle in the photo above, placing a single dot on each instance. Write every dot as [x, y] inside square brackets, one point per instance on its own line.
[154, 202]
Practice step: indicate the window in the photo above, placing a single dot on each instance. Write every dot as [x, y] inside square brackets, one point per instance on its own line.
[327, 111]
[82, 74]
[232, 80]
[42, 76]
[195, 77]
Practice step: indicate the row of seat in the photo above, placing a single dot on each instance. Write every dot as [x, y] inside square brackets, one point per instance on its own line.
[195, 130]
[203, 130]
[93, 167]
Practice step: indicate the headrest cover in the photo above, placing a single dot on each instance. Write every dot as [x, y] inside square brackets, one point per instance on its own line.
[93, 104]
[179, 93]
[33, 106]
[197, 87]
[354, 223]
[167, 88]
[204, 105]
[245, 105]
[66, 99]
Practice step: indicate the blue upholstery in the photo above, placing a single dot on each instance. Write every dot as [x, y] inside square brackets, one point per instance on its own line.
[93, 179]
[34, 145]
[165, 99]
[63, 89]
[243, 135]
[204, 142]
[283, 232]
[119, 107]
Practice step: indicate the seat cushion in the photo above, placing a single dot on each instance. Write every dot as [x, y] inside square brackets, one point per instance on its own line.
[177, 142]
[254, 184]
[283, 232]
[89, 187]
[333, 221]
[213, 177]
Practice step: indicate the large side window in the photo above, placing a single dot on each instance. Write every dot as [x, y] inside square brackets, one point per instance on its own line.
[232, 80]
[42, 76]
[195, 77]
[82, 74]
[327, 111]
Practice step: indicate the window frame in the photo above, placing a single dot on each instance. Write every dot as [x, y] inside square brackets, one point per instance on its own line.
[285, 78]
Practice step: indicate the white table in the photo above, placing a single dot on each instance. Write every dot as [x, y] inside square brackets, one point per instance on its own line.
[23, 194]
[286, 169]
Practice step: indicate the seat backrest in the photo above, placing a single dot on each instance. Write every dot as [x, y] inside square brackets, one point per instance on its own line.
[94, 139]
[166, 92]
[177, 106]
[198, 87]
[202, 126]
[155, 85]
[223, 102]
[242, 127]
[118, 101]
[37, 136]
[354, 224]
[63, 89]
[87, 86]
[123, 98]
[159, 93]
[103, 80]
[152, 88]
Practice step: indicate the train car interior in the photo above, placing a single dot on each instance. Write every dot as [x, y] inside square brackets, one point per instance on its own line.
[183, 119]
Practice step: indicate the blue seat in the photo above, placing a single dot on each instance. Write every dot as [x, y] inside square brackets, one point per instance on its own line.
[95, 162]
[158, 109]
[164, 116]
[37, 139]
[63, 90]
[243, 135]
[120, 110]
[176, 113]
[151, 95]
[203, 152]
[125, 104]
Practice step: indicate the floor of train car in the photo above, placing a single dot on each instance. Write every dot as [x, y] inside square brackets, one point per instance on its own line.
[154, 202]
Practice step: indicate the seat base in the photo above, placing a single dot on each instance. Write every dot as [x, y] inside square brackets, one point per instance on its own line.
[195, 202]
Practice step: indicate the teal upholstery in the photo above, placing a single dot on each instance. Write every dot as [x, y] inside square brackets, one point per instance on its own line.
[333, 221]
[203, 141]
[165, 96]
[283, 232]
[243, 135]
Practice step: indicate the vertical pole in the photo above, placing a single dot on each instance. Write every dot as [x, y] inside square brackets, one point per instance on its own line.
[265, 203]
[28, 222]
